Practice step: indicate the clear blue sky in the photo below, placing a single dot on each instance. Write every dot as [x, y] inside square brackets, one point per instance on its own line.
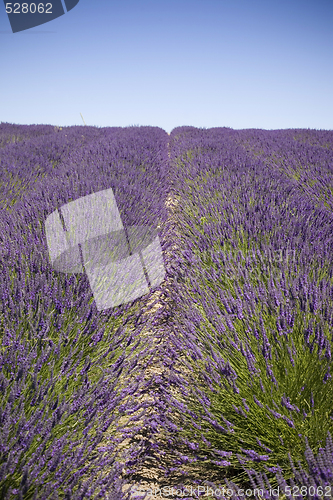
[208, 63]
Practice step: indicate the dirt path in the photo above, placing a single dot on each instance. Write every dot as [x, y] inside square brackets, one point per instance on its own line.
[150, 476]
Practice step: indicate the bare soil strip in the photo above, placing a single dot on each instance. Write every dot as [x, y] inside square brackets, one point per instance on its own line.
[149, 477]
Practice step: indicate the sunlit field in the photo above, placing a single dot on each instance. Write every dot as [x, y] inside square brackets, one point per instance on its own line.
[219, 377]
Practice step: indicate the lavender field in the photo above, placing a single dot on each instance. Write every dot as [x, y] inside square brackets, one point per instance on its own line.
[220, 376]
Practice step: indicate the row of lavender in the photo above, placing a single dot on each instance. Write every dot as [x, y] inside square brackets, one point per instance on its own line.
[303, 155]
[61, 361]
[253, 309]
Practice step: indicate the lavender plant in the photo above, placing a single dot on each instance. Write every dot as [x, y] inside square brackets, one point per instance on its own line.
[256, 328]
[63, 364]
